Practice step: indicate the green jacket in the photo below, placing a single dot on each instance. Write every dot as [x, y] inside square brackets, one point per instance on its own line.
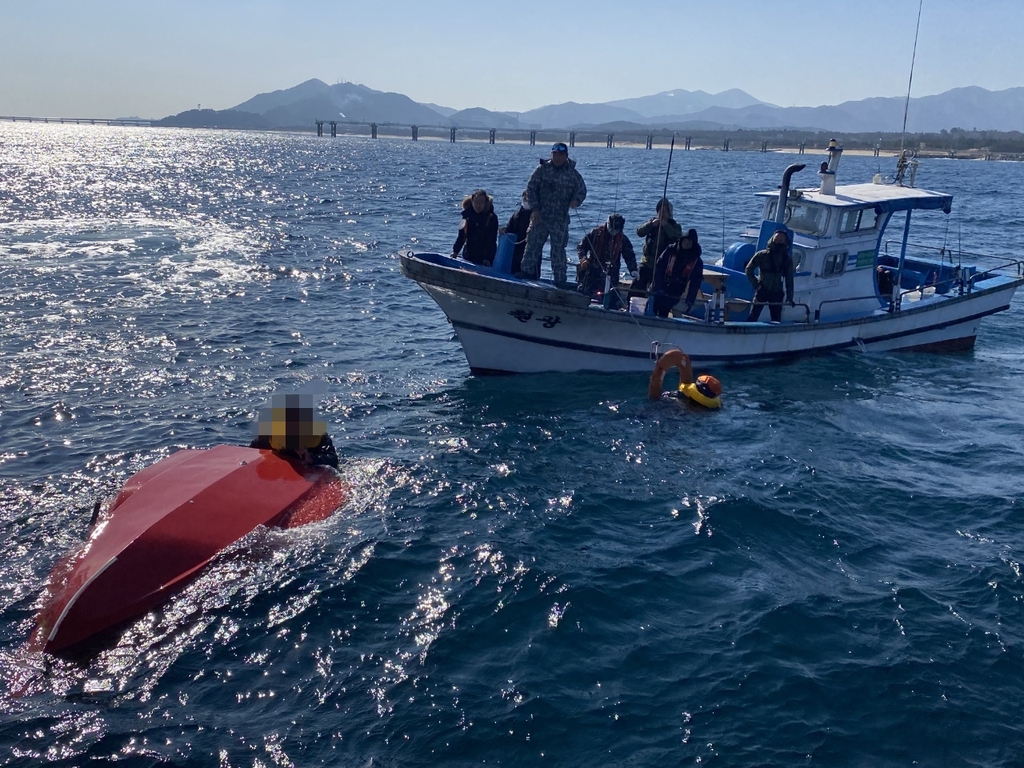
[652, 245]
[775, 267]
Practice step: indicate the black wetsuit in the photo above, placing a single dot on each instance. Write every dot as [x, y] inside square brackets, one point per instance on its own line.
[321, 455]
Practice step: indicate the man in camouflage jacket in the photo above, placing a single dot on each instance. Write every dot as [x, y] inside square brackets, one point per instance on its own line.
[554, 187]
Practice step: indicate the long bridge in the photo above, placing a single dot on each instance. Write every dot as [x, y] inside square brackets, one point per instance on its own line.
[740, 139]
[632, 137]
[77, 120]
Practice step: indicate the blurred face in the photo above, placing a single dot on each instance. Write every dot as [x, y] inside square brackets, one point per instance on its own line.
[686, 243]
[559, 158]
[479, 202]
[780, 239]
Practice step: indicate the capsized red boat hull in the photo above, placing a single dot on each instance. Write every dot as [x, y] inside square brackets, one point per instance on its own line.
[169, 521]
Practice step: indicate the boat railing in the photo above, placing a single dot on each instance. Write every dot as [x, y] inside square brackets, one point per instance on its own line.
[954, 257]
[715, 315]
[817, 313]
[1000, 269]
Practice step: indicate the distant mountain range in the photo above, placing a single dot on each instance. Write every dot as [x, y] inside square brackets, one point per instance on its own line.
[968, 108]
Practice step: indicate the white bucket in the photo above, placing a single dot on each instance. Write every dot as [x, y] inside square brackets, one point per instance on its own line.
[638, 305]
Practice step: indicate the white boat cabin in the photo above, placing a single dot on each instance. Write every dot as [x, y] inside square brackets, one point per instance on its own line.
[838, 248]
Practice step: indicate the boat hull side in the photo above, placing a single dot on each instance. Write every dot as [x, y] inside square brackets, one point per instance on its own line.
[528, 333]
[169, 527]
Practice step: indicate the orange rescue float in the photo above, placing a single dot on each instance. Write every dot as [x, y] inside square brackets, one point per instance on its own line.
[705, 391]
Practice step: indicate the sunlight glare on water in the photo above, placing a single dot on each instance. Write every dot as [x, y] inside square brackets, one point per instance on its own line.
[527, 569]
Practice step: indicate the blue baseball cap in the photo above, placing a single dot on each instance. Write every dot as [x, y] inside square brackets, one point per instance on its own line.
[559, 147]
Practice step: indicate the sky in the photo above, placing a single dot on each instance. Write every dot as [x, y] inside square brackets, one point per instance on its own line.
[153, 58]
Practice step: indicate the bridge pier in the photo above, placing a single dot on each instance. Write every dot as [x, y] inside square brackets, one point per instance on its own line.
[533, 138]
[764, 147]
[373, 130]
[490, 136]
[803, 145]
[877, 150]
[572, 138]
[725, 145]
[650, 141]
[334, 129]
[688, 140]
[611, 140]
[415, 133]
[453, 136]
[319, 127]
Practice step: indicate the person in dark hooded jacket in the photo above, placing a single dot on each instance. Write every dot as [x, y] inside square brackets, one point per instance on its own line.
[478, 231]
[518, 225]
[678, 270]
[658, 234]
[770, 272]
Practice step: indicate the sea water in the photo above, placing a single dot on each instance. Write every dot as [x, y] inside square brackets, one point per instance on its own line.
[530, 570]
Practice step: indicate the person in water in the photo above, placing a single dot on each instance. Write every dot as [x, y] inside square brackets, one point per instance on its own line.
[554, 187]
[478, 231]
[290, 429]
[518, 225]
[658, 233]
[601, 252]
[775, 268]
[678, 270]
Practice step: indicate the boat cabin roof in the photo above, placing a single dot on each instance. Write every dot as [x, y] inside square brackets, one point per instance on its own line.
[885, 198]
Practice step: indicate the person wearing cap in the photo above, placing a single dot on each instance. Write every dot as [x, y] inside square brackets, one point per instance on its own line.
[518, 225]
[478, 230]
[600, 253]
[678, 271]
[555, 186]
[774, 268]
[658, 234]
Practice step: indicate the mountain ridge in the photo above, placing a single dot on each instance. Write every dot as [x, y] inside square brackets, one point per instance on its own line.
[968, 107]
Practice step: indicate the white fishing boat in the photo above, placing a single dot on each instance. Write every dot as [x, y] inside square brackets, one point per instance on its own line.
[838, 235]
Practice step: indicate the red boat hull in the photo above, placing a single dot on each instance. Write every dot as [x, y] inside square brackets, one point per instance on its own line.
[169, 521]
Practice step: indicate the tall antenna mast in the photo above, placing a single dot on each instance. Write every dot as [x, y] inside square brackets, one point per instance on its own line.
[913, 58]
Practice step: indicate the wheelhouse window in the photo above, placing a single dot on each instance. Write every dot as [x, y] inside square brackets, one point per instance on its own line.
[834, 264]
[858, 220]
[806, 218]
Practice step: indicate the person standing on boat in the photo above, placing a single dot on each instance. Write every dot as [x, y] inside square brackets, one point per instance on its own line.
[678, 270]
[554, 187]
[518, 225]
[658, 234]
[601, 253]
[775, 267]
[478, 231]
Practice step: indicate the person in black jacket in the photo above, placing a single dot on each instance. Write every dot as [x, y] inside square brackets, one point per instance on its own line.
[679, 269]
[601, 253]
[478, 231]
[517, 225]
[290, 429]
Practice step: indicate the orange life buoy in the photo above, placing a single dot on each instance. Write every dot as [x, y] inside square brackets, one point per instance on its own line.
[674, 358]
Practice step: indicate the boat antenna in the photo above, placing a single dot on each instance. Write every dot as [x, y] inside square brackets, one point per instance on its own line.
[671, 149]
[913, 58]
[723, 228]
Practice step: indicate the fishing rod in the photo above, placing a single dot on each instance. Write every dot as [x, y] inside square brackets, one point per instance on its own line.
[664, 196]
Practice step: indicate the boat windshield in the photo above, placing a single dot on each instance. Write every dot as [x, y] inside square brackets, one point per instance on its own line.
[806, 218]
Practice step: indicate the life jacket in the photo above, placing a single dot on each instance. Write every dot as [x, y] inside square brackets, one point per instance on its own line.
[601, 240]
